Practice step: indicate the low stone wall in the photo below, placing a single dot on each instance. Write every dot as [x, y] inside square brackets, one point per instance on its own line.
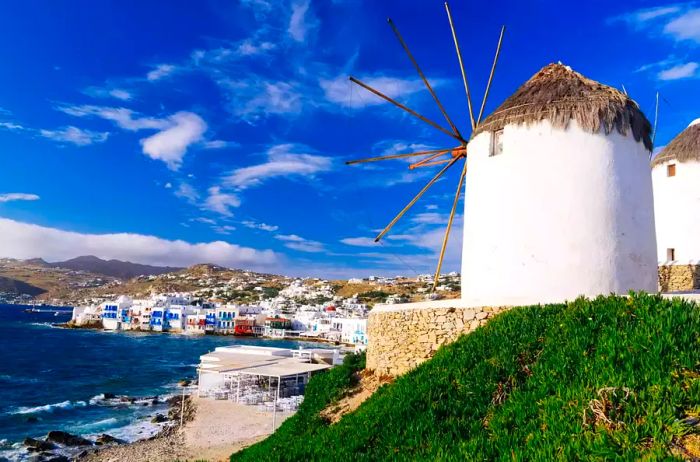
[679, 278]
[402, 337]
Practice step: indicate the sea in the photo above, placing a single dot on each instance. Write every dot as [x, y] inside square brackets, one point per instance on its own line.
[53, 378]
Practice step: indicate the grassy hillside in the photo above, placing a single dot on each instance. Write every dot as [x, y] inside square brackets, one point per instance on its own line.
[608, 379]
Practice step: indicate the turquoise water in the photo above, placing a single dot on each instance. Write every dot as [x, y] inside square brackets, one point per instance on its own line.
[53, 378]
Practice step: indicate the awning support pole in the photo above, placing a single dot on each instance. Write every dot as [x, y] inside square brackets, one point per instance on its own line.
[274, 409]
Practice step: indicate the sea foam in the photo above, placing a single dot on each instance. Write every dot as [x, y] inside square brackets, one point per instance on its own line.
[49, 407]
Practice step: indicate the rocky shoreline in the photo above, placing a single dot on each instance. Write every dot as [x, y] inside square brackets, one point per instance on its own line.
[62, 446]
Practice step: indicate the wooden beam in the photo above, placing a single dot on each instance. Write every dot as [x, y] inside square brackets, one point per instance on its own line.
[449, 226]
[422, 76]
[396, 156]
[415, 199]
[461, 66]
[493, 70]
[428, 159]
[410, 111]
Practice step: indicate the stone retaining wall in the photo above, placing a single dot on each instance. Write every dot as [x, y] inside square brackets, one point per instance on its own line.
[403, 337]
[679, 278]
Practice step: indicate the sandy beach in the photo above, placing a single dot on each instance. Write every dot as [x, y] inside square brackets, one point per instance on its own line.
[219, 428]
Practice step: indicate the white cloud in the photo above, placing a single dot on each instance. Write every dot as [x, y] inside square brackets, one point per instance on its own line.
[100, 92]
[122, 117]
[218, 144]
[294, 242]
[359, 241]
[224, 229]
[686, 26]
[188, 192]
[301, 21]
[11, 126]
[170, 145]
[23, 240]
[75, 135]
[681, 71]
[249, 48]
[430, 218]
[639, 18]
[160, 71]
[9, 197]
[261, 8]
[205, 220]
[261, 226]
[220, 202]
[120, 94]
[177, 132]
[680, 21]
[168, 185]
[339, 90]
[284, 160]
[69, 134]
[256, 97]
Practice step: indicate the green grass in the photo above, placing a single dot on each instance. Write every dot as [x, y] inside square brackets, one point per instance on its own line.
[518, 389]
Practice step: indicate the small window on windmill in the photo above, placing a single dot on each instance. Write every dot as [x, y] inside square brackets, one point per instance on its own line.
[497, 142]
[671, 170]
[671, 254]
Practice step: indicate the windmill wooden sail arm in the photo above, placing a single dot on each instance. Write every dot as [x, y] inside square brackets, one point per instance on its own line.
[445, 156]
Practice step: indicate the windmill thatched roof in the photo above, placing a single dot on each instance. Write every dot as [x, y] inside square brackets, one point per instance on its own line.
[683, 148]
[559, 94]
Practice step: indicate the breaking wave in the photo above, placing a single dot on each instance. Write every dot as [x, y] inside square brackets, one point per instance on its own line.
[64, 405]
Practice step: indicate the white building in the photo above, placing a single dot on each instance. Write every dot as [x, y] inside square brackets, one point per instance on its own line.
[115, 313]
[195, 322]
[676, 177]
[559, 195]
[352, 330]
[175, 317]
[84, 315]
[141, 314]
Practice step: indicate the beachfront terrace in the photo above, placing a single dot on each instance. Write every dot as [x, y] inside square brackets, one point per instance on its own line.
[273, 379]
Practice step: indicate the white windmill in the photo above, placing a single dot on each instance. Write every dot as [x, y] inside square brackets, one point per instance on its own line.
[558, 195]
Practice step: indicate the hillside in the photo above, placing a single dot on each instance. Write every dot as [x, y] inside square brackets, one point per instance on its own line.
[14, 286]
[113, 268]
[608, 379]
[36, 278]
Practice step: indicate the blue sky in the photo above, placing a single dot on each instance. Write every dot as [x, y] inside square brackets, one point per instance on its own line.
[218, 132]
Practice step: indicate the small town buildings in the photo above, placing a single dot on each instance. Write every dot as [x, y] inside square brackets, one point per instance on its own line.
[180, 313]
[676, 178]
